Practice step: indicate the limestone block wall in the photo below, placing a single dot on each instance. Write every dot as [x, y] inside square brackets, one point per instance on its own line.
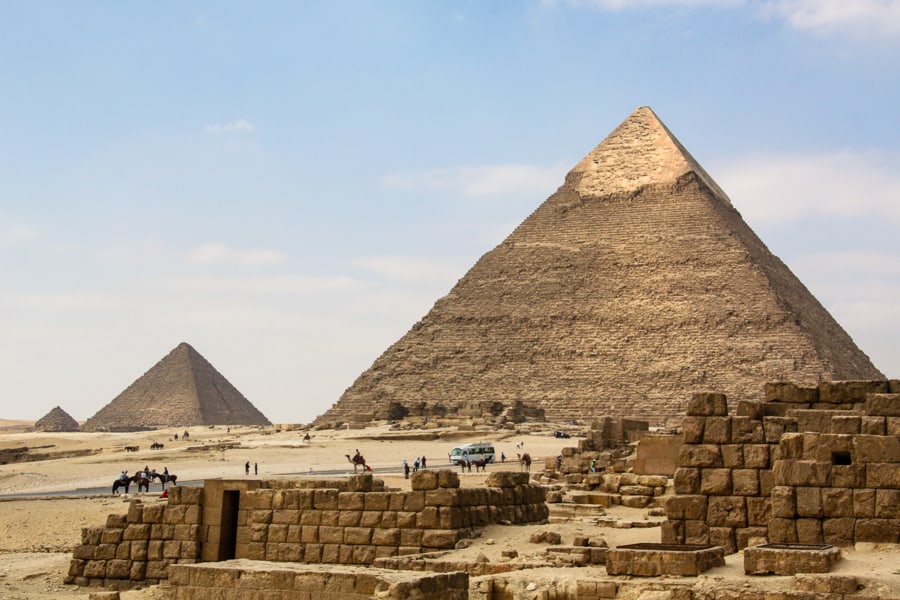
[842, 486]
[724, 476]
[351, 522]
[768, 472]
[356, 528]
[141, 545]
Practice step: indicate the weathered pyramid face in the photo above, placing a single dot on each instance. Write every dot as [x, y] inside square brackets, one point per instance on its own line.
[633, 286]
[56, 420]
[181, 390]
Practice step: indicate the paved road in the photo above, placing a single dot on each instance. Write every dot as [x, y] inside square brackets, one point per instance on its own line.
[156, 489]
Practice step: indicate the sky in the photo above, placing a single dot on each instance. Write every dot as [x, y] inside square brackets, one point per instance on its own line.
[290, 186]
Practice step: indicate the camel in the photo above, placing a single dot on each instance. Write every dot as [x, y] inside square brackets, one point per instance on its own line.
[358, 461]
[525, 462]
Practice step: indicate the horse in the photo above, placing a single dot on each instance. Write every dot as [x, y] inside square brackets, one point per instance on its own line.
[156, 446]
[132, 448]
[126, 483]
[525, 462]
[164, 478]
[358, 461]
[480, 465]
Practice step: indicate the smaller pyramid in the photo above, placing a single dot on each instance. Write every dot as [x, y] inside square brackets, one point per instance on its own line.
[183, 389]
[56, 420]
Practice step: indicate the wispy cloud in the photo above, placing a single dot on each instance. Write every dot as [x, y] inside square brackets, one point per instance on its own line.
[783, 187]
[482, 181]
[414, 269]
[274, 284]
[238, 126]
[856, 18]
[13, 234]
[216, 253]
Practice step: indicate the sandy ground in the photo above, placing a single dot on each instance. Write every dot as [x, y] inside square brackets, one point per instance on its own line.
[38, 533]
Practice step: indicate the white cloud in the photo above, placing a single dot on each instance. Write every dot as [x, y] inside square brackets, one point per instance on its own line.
[769, 188]
[216, 253]
[480, 181]
[414, 269]
[276, 284]
[15, 234]
[238, 126]
[857, 17]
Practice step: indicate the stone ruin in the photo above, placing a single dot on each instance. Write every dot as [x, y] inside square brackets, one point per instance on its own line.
[353, 521]
[810, 465]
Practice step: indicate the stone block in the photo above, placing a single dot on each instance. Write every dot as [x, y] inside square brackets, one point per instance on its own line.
[759, 511]
[116, 521]
[732, 456]
[848, 476]
[717, 430]
[836, 502]
[692, 428]
[745, 482]
[699, 455]
[756, 456]
[651, 560]
[789, 559]
[745, 430]
[325, 499]
[864, 503]
[726, 511]
[686, 507]
[885, 531]
[790, 446]
[876, 449]
[783, 391]
[783, 531]
[715, 482]
[802, 473]
[425, 480]
[887, 504]
[841, 392]
[809, 502]
[775, 427]
[827, 584]
[751, 536]
[892, 426]
[687, 480]
[883, 475]
[809, 531]
[439, 538]
[873, 425]
[506, 479]
[707, 404]
[838, 531]
[724, 537]
[414, 501]
[849, 424]
[696, 532]
[672, 532]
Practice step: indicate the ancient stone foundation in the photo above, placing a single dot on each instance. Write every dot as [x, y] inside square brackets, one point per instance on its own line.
[809, 465]
[352, 521]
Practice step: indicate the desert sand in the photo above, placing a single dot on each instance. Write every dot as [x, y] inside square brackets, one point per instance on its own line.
[39, 532]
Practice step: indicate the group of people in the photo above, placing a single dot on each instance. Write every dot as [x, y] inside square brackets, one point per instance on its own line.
[419, 462]
[247, 468]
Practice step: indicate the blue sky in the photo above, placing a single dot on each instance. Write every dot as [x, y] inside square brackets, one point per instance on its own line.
[289, 186]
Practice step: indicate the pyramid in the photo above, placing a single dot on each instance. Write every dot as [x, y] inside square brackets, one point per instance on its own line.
[56, 420]
[181, 390]
[634, 285]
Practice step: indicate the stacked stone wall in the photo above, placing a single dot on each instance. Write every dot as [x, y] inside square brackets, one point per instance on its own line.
[141, 545]
[809, 465]
[724, 476]
[843, 485]
[356, 528]
[351, 522]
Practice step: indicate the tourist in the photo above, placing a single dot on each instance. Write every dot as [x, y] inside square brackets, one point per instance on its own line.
[255, 469]
[247, 468]
[423, 462]
[416, 465]
[502, 457]
[405, 469]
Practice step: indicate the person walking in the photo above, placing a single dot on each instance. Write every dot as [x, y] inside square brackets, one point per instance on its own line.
[247, 468]
[405, 469]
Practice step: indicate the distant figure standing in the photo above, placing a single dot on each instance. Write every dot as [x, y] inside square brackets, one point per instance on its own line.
[503, 457]
[405, 469]
[247, 468]
[423, 463]
[255, 469]
[416, 465]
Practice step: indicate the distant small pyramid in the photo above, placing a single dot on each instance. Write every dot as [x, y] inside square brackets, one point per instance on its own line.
[183, 389]
[634, 285]
[56, 420]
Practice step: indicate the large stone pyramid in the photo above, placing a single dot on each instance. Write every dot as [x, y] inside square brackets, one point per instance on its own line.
[56, 420]
[181, 390]
[634, 285]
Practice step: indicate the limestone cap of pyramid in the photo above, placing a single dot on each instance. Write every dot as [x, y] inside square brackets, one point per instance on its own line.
[641, 151]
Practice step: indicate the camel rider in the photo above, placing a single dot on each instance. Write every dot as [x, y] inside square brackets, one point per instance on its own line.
[357, 456]
[123, 476]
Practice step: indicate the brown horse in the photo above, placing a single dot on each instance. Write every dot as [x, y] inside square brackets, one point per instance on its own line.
[164, 478]
[358, 460]
[525, 462]
[126, 483]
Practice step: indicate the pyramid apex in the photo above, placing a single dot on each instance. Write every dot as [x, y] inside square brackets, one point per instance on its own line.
[641, 151]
